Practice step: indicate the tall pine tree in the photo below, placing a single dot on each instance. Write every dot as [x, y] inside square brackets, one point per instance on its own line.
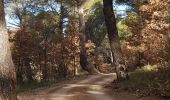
[113, 36]
[7, 69]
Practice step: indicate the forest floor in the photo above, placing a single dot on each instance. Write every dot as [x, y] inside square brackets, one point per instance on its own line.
[91, 87]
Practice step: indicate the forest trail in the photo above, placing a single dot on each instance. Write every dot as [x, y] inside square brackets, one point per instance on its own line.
[90, 88]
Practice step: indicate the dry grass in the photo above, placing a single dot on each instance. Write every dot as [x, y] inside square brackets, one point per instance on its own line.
[149, 80]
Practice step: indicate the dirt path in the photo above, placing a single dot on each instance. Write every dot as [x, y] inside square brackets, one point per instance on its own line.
[90, 88]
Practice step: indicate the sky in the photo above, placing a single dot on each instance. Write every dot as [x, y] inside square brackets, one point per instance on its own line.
[121, 9]
[12, 22]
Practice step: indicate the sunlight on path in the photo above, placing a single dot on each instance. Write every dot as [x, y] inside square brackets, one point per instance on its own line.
[93, 83]
[61, 94]
[90, 88]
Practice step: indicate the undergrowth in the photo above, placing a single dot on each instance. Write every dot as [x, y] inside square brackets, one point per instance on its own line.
[35, 85]
[148, 80]
[32, 85]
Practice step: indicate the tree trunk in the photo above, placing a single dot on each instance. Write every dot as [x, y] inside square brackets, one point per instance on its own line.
[7, 69]
[28, 71]
[61, 18]
[63, 67]
[113, 36]
[83, 52]
[45, 61]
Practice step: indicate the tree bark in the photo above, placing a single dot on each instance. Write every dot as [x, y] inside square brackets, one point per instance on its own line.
[61, 18]
[28, 71]
[7, 69]
[114, 40]
[63, 67]
[83, 52]
[45, 59]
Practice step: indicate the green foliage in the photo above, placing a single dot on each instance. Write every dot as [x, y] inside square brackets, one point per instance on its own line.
[32, 85]
[123, 29]
[149, 80]
[132, 18]
[96, 1]
[96, 28]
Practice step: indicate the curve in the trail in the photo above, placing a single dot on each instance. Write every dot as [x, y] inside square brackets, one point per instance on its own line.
[91, 88]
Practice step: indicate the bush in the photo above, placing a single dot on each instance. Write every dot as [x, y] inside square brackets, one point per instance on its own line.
[149, 80]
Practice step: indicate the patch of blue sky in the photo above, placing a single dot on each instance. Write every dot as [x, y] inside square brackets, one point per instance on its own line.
[52, 6]
[13, 22]
[34, 8]
[122, 9]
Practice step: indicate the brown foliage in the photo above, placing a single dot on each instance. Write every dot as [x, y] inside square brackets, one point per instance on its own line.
[150, 35]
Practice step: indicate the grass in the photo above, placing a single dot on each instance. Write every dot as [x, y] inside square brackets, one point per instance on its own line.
[148, 80]
[32, 85]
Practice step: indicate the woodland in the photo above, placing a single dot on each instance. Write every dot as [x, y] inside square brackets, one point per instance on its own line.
[77, 49]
